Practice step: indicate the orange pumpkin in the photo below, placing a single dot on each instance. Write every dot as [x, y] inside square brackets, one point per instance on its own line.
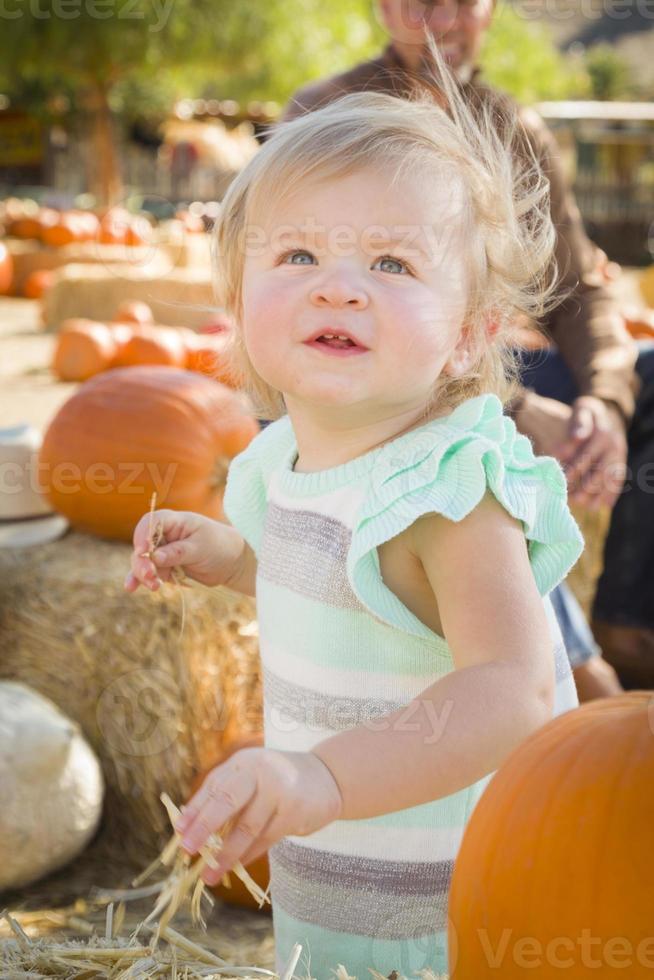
[206, 354]
[82, 349]
[113, 227]
[38, 282]
[6, 270]
[557, 861]
[259, 869]
[33, 226]
[639, 321]
[64, 231]
[122, 334]
[138, 232]
[134, 311]
[130, 432]
[154, 345]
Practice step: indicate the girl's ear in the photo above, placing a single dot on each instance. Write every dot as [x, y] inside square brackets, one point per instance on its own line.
[462, 357]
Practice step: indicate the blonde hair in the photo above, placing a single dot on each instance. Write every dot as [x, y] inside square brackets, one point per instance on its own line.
[506, 211]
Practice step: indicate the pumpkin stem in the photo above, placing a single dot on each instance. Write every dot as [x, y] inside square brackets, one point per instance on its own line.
[218, 477]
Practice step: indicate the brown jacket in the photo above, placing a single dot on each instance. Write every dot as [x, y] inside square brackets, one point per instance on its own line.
[586, 327]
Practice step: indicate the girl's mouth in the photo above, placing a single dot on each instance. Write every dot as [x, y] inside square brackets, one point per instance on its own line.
[336, 345]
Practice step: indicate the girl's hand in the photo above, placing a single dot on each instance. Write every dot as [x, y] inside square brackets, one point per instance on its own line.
[205, 550]
[268, 794]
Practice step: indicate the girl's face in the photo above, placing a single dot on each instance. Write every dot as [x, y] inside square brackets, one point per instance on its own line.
[383, 269]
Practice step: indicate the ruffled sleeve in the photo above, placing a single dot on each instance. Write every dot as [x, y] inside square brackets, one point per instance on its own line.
[246, 493]
[446, 467]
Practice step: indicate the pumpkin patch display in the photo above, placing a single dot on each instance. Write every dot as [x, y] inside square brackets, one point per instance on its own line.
[131, 432]
[553, 877]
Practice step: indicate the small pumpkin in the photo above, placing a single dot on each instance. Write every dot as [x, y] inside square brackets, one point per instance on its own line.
[113, 227]
[259, 869]
[32, 226]
[139, 231]
[38, 283]
[130, 432]
[134, 311]
[82, 349]
[153, 345]
[64, 231]
[639, 321]
[558, 848]
[207, 354]
[122, 334]
[6, 270]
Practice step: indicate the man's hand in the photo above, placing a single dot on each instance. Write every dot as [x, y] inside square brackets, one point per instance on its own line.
[265, 794]
[588, 439]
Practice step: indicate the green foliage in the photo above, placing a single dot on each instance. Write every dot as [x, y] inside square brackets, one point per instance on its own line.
[292, 44]
[608, 72]
[248, 49]
[520, 57]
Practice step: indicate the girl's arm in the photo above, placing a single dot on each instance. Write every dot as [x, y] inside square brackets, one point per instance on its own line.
[243, 578]
[463, 726]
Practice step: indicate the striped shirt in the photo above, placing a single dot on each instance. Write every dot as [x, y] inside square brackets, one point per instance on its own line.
[339, 650]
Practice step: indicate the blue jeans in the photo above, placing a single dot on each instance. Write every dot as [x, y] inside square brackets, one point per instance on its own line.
[625, 591]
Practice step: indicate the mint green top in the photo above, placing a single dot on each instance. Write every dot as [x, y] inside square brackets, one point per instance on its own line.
[339, 649]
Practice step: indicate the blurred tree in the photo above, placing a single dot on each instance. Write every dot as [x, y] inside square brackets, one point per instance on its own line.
[609, 73]
[102, 53]
[520, 57]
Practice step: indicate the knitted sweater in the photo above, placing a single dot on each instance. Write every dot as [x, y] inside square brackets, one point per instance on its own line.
[339, 649]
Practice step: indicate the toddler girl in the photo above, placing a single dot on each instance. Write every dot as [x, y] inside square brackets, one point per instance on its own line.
[400, 536]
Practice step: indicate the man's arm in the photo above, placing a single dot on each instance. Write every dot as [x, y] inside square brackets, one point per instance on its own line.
[586, 327]
[463, 726]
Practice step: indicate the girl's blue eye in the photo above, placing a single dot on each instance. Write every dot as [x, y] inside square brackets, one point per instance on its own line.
[288, 258]
[386, 260]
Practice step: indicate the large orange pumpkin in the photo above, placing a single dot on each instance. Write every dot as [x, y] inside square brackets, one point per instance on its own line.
[82, 349]
[6, 270]
[130, 432]
[555, 871]
[259, 869]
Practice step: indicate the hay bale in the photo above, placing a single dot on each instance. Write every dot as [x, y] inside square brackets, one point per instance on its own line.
[157, 702]
[186, 250]
[183, 297]
[594, 526]
[30, 256]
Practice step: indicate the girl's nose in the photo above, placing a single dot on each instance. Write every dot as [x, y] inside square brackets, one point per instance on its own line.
[440, 16]
[337, 292]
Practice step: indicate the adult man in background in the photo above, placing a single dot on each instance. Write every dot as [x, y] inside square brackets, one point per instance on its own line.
[578, 400]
